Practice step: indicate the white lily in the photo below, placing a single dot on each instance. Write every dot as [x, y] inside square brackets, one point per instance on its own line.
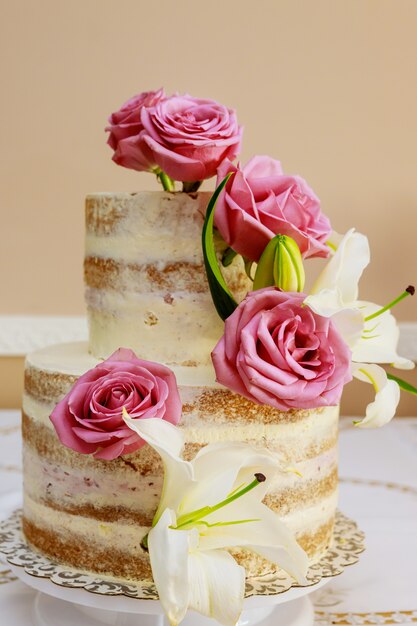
[387, 395]
[209, 504]
[369, 329]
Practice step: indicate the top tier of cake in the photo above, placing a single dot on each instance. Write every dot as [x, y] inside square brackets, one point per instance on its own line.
[146, 286]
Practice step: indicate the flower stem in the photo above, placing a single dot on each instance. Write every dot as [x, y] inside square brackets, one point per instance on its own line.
[191, 187]
[194, 516]
[166, 181]
[197, 515]
[403, 384]
[407, 292]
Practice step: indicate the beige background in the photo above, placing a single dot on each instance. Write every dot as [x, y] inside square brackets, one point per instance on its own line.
[327, 86]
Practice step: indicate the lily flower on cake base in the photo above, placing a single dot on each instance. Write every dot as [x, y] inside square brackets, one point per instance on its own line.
[370, 330]
[209, 504]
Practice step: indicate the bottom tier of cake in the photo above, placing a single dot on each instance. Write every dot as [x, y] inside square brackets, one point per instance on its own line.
[92, 514]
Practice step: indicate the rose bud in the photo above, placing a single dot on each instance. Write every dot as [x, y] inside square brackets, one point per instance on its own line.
[281, 264]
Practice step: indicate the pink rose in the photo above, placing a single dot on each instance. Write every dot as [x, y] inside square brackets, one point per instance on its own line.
[277, 352]
[185, 137]
[126, 125]
[89, 419]
[260, 201]
[189, 137]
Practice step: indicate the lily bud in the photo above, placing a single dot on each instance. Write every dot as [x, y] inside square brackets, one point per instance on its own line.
[281, 265]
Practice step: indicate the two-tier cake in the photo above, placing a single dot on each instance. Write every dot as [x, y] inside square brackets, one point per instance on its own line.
[146, 289]
[202, 336]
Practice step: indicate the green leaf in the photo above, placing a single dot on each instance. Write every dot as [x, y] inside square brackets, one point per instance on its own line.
[403, 384]
[222, 297]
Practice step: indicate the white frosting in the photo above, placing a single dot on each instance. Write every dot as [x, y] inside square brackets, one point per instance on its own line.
[156, 330]
[74, 359]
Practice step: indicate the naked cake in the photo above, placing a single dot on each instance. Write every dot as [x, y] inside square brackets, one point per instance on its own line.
[92, 513]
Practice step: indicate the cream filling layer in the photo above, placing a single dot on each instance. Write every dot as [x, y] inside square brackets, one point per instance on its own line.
[127, 535]
[155, 330]
[124, 535]
[135, 492]
[146, 247]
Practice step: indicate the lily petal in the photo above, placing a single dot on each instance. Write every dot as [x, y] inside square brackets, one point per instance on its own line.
[343, 271]
[325, 302]
[220, 468]
[379, 340]
[267, 535]
[350, 324]
[348, 321]
[217, 585]
[168, 441]
[334, 240]
[387, 395]
[168, 552]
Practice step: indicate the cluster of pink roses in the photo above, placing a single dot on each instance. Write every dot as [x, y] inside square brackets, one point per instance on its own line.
[274, 350]
[191, 139]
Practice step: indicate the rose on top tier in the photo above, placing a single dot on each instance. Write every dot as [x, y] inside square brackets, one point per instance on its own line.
[124, 127]
[185, 137]
[260, 201]
[89, 418]
[277, 352]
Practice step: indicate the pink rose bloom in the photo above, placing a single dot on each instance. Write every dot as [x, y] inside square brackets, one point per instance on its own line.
[89, 419]
[185, 137]
[277, 352]
[189, 137]
[124, 127]
[260, 201]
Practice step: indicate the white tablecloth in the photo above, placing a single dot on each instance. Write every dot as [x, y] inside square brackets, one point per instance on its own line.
[378, 472]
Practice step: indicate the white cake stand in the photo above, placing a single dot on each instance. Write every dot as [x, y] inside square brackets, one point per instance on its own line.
[60, 606]
[66, 597]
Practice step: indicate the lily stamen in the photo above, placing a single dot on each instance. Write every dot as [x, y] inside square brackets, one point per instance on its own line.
[232, 523]
[371, 330]
[407, 292]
